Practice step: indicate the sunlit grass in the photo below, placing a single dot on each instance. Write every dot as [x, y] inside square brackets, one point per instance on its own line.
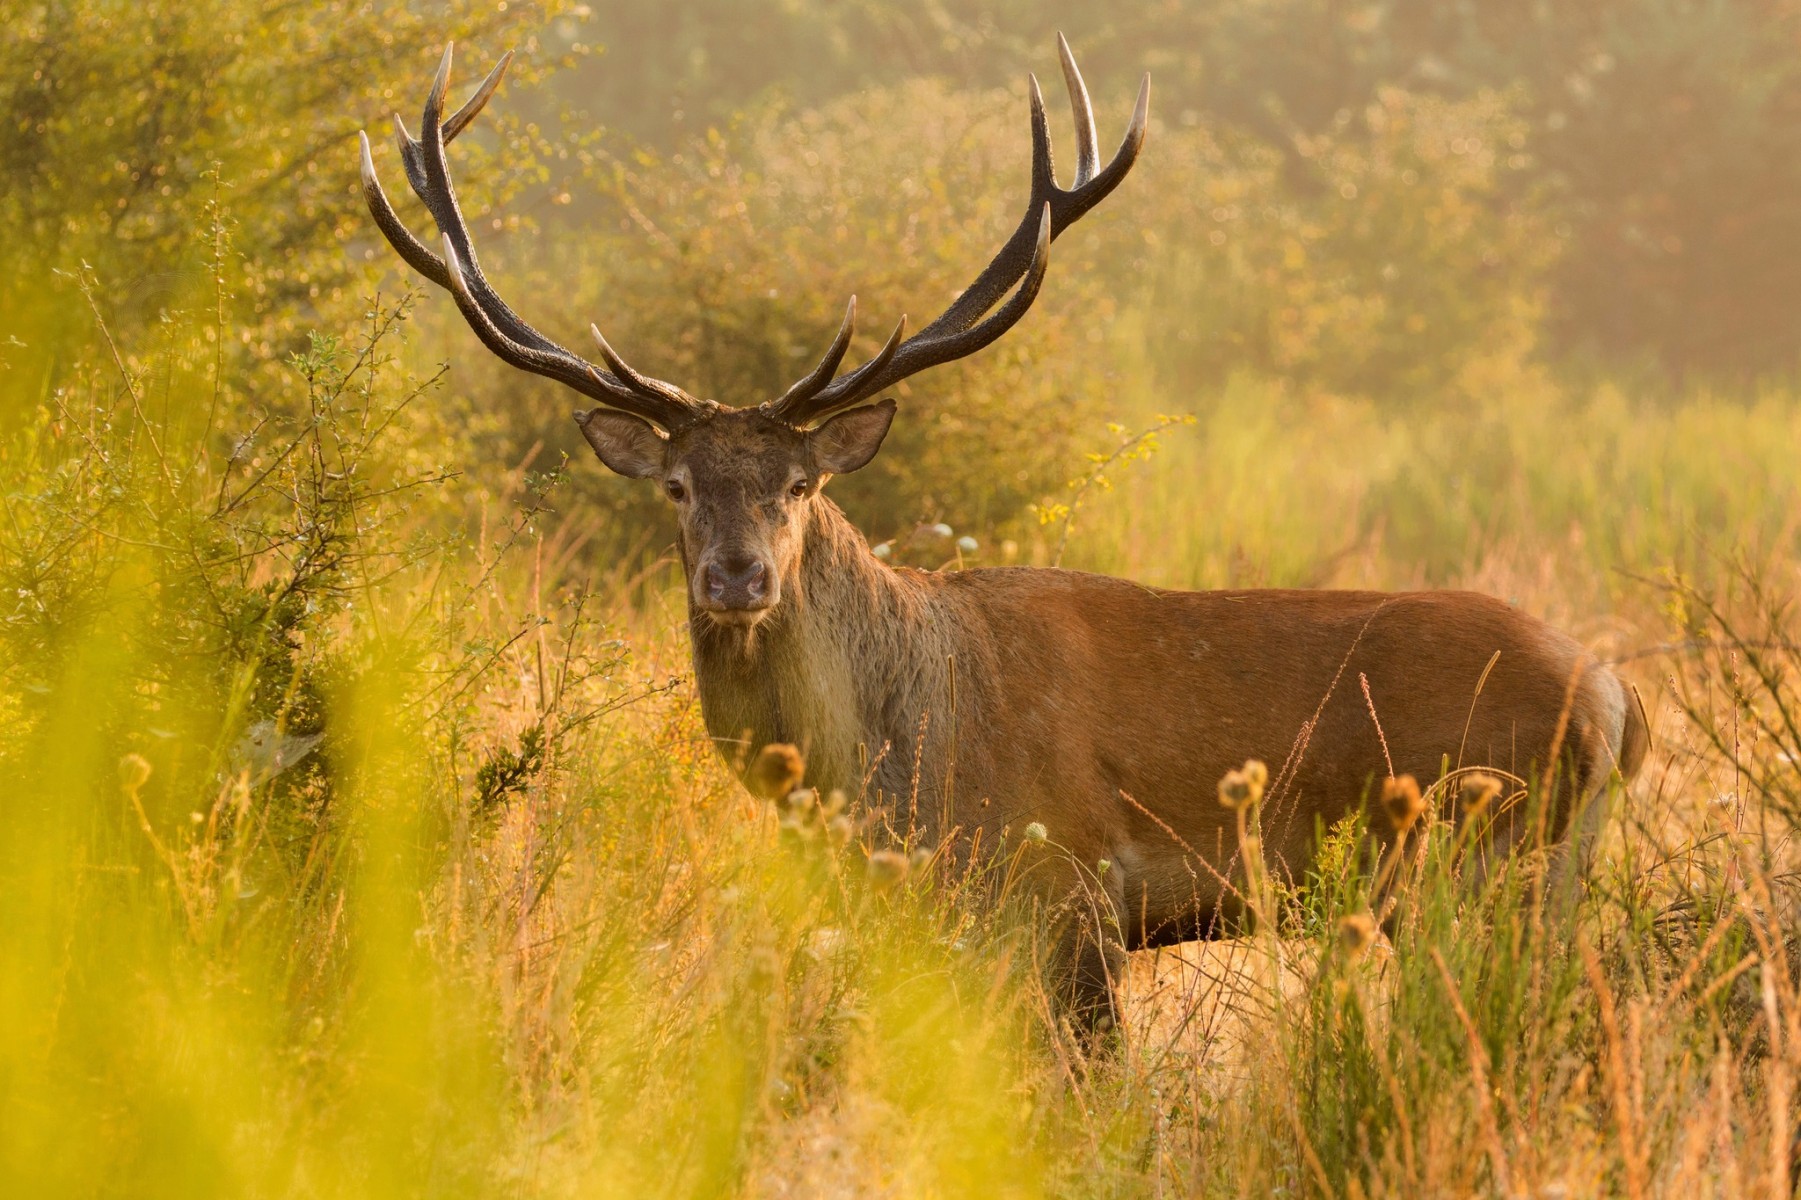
[357, 845]
[506, 925]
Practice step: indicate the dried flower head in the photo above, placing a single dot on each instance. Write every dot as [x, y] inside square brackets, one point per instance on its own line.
[1257, 774]
[1356, 933]
[1239, 790]
[765, 965]
[887, 870]
[1036, 832]
[798, 812]
[134, 771]
[838, 832]
[921, 858]
[1477, 791]
[800, 802]
[1402, 801]
[803, 824]
[777, 770]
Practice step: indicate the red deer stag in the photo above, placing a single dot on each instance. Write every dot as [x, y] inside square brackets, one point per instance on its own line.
[973, 701]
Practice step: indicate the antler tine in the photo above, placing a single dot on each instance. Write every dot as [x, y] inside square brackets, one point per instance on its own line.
[808, 386]
[471, 109]
[642, 384]
[1088, 159]
[893, 344]
[494, 322]
[875, 374]
[568, 370]
[410, 248]
[1044, 167]
[973, 321]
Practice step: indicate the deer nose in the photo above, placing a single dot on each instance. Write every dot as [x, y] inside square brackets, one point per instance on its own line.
[737, 581]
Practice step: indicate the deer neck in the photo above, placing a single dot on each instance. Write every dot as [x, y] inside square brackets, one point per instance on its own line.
[844, 668]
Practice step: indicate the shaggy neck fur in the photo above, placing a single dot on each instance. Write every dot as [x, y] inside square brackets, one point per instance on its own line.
[853, 666]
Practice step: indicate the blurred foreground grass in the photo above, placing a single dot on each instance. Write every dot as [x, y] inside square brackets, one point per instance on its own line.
[354, 847]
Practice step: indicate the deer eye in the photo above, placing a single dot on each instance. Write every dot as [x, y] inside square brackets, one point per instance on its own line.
[676, 490]
[798, 489]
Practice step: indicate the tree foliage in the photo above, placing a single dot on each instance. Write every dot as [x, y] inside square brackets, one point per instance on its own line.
[1662, 133]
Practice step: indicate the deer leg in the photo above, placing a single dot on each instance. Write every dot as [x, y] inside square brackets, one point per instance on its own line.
[1089, 963]
[1098, 971]
[1572, 857]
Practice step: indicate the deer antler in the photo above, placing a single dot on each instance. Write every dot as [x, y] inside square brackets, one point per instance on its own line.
[496, 324]
[967, 325]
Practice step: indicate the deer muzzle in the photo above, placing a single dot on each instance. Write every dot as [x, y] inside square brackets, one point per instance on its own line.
[736, 585]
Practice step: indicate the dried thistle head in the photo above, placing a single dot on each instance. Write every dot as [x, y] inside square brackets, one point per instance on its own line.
[800, 802]
[777, 770]
[1356, 933]
[838, 832]
[803, 825]
[887, 870]
[1477, 791]
[1402, 801]
[134, 772]
[798, 812]
[1239, 790]
[1036, 832]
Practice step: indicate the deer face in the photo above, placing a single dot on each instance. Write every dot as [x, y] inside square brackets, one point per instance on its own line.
[743, 484]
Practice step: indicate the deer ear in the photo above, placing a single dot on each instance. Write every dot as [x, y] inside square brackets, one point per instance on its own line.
[850, 439]
[626, 444]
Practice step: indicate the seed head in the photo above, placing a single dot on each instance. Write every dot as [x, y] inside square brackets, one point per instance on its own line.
[920, 859]
[1355, 935]
[1402, 801]
[1036, 832]
[765, 965]
[838, 832]
[1476, 793]
[801, 824]
[1257, 774]
[1239, 791]
[799, 811]
[887, 870]
[134, 771]
[777, 770]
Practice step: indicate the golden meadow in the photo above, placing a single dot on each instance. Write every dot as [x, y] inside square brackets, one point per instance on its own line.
[358, 832]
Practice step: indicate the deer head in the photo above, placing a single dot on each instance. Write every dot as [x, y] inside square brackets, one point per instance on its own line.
[743, 480]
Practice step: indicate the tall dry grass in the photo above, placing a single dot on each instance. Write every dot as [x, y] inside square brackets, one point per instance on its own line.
[358, 831]
[360, 842]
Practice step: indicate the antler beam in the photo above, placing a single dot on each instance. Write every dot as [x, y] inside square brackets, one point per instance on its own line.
[968, 325]
[494, 322]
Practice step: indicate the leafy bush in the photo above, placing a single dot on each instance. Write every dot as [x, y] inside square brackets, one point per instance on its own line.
[1661, 133]
[1405, 271]
[126, 122]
